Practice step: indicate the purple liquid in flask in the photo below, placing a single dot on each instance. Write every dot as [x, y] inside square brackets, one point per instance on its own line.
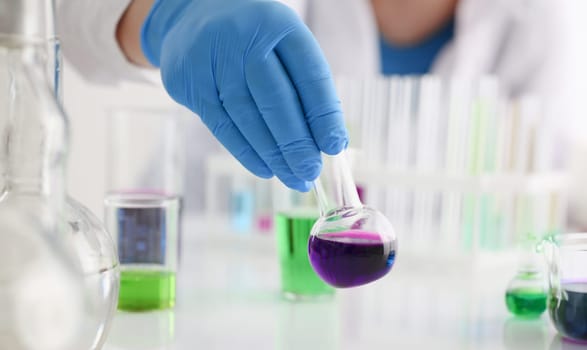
[351, 258]
[351, 244]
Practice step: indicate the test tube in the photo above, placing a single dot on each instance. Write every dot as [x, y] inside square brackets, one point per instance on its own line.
[489, 218]
[455, 156]
[263, 207]
[242, 205]
[378, 136]
[475, 204]
[142, 204]
[525, 117]
[390, 146]
[504, 199]
[425, 161]
[539, 161]
[396, 154]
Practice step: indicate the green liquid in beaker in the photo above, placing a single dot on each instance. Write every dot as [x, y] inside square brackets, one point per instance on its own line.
[142, 290]
[526, 302]
[298, 279]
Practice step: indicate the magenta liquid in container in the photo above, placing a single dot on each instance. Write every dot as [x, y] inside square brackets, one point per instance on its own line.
[351, 258]
[350, 244]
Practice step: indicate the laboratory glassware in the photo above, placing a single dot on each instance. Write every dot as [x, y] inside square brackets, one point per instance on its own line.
[351, 244]
[242, 205]
[143, 204]
[34, 152]
[566, 256]
[41, 293]
[295, 214]
[525, 295]
[93, 247]
[97, 257]
[263, 207]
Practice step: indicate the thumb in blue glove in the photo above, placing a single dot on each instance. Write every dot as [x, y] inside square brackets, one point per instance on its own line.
[256, 76]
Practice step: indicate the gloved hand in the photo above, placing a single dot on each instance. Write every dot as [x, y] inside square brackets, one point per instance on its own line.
[256, 76]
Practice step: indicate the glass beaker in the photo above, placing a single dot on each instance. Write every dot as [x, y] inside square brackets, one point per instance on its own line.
[295, 214]
[143, 204]
[566, 256]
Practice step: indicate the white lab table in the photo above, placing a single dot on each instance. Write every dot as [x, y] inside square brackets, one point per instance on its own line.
[228, 297]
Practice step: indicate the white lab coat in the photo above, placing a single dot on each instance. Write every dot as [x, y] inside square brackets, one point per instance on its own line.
[531, 45]
[527, 44]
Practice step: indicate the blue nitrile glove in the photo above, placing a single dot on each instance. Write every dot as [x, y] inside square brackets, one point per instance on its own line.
[256, 76]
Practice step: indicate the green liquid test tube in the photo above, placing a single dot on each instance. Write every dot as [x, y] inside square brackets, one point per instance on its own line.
[298, 279]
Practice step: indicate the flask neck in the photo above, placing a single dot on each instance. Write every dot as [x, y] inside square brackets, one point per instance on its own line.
[27, 18]
[335, 189]
[33, 132]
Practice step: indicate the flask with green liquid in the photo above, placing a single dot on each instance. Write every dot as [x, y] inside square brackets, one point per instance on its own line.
[526, 293]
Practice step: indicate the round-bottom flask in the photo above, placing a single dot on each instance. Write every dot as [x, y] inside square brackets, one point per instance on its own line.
[526, 294]
[98, 261]
[350, 244]
[34, 139]
[41, 294]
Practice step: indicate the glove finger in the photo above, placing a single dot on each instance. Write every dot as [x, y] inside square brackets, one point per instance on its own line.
[309, 72]
[179, 74]
[239, 104]
[280, 108]
[224, 129]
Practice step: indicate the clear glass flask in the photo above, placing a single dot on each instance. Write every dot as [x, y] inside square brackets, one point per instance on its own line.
[351, 244]
[143, 204]
[35, 132]
[525, 295]
[41, 292]
[96, 255]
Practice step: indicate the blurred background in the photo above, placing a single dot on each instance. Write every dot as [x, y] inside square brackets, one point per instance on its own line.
[470, 175]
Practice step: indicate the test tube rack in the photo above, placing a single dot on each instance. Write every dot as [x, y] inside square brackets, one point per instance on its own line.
[463, 171]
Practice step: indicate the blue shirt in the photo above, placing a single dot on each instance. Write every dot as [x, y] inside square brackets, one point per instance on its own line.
[416, 59]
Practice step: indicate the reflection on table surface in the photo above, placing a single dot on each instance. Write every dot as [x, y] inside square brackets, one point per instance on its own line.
[228, 295]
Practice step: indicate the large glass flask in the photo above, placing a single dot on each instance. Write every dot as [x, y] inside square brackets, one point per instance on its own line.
[566, 256]
[96, 256]
[34, 143]
[41, 294]
[351, 244]
[92, 244]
